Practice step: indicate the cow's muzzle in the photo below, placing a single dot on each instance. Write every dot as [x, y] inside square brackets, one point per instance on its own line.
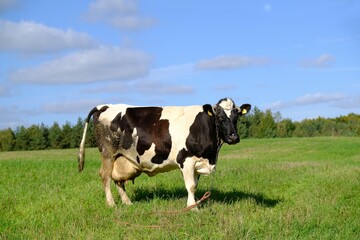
[232, 139]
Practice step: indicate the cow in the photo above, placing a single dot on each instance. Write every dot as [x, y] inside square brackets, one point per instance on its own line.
[134, 140]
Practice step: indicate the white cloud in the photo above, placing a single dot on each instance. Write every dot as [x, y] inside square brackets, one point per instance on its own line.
[309, 99]
[122, 14]
[230, 62]
[30, 37]
[100, 64]
[324, 60]
[319, 98]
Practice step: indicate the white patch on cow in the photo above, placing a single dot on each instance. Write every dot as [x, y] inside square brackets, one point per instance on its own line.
[145, 159]
[134, 134]
[110, 113]
[150, 168]
[203, 167]
[228, 105]
[180, 120]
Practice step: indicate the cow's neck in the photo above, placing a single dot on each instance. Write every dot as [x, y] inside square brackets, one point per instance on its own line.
[218, 139]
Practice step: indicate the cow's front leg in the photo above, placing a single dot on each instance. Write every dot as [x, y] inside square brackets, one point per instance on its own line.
[190, 180]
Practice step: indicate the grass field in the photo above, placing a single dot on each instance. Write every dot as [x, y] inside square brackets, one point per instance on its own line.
[307, 188]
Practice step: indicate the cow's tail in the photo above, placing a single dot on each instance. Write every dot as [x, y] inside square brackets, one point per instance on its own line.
[81, 155]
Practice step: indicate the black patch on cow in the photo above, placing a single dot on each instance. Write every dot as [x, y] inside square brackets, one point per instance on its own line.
[162, 140]
[138, 159]
[117, 155]
[202, 139]
[150, 129]
[121, 140]
[182, 155]
[116, 123]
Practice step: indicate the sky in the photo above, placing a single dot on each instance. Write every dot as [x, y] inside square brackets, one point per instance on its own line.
[59, 59]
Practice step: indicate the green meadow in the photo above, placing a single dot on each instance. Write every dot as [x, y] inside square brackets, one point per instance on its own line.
[294, 188]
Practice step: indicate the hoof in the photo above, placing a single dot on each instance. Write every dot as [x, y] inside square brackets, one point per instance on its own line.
[110, 204]
[127, 202]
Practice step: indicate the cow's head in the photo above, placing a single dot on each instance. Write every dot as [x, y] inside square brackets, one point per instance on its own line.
[227, 115]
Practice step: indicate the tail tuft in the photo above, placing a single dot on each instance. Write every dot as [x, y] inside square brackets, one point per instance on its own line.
[81, 160]
[81, 155]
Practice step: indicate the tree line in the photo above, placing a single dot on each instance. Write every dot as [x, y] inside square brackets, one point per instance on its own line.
[40, 137]
[266, 124]
[256, 124]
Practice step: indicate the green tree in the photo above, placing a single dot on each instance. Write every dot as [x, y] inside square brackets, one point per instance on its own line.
[285, 128]
[254, 121]
[21, 139]
[90, 136]
[263, 124]
[38, 137]
[268, 125]
[45, 132]
[55, 136]
[7, 140]
[67, 140]
[352, 122]
[307, 128]
[77, 131]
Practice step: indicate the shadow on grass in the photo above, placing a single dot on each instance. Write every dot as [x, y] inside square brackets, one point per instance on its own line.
[227, 197]
[230, 197]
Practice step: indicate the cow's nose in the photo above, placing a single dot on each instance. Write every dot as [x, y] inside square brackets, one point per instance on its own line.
[233, 138]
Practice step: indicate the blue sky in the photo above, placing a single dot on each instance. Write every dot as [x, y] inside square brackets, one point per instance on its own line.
[58, 59]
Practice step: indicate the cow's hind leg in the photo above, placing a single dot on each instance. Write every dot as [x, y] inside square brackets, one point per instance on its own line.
[105, 174]
[120, 185]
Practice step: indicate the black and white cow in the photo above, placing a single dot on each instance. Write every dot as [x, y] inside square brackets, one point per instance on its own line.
[153, 140]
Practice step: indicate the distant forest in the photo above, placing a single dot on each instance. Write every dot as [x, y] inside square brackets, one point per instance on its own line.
[256, 124]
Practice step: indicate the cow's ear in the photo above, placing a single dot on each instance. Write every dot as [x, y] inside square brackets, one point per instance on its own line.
[244, 109]
[208, 110]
